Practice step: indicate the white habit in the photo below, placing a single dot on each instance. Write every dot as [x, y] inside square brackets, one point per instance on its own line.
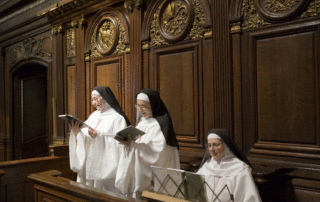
[242, 186]
[134, 173]
[96, 159]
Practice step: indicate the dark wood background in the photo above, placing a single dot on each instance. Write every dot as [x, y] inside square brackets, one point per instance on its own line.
[244, 65]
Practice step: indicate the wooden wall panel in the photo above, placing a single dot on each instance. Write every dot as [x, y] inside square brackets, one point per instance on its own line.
[109, 72]
[286, 81]
[71, 90]
[281, 93]
[177, 75]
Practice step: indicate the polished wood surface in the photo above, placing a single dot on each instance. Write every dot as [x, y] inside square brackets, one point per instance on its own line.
[237, 64]
[15, 180]
[49, 186]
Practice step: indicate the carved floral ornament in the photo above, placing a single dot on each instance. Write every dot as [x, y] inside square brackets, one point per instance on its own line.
[254, 12]
[130, 4]
[175, 21]
[29, 48]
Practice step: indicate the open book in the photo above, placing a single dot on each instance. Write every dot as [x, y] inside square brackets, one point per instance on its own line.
[134, 133]
[69, 118]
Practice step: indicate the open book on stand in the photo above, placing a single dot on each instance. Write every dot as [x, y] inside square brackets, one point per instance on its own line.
[69, 118]
[134, 133]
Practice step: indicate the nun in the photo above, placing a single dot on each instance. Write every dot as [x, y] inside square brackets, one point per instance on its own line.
[224, 160]
[158, 147]
[94, 153]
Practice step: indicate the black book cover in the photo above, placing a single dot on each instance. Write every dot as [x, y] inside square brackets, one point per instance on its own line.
[69, 118]
[134, 133]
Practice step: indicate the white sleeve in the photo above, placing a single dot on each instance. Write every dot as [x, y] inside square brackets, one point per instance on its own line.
[77, 152]
[245, 189]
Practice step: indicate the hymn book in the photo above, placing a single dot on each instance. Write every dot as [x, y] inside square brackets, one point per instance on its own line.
[69, 118]
[134, 133]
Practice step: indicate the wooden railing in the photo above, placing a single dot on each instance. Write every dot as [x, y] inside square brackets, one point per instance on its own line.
[15, 184]
[49, 186]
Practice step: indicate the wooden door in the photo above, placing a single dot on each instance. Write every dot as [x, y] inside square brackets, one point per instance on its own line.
[30, 137]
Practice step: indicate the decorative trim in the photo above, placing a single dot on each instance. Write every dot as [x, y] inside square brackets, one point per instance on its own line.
[57, 29]
[145, 45]
[29, 48]
[62, 8]
[130, 4]
[313, 10]
[275, 6]
[71, 42]
[235, 27]
[251, 18]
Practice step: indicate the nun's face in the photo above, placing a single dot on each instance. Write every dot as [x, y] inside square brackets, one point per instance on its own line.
[97, 102]
[216, 148]
[144, 108]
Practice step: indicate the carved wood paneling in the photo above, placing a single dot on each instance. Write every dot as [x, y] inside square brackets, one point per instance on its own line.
[108, 72]
[286, 90]
[71, 90]
[281, 94]
[177, 74]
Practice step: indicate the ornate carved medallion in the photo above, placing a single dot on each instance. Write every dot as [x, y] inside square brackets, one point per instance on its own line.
[175, 20]
[279, 10]
[109, 38]
[107, 35]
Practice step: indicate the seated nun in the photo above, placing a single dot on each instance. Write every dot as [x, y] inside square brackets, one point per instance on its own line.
[223, 158]
[93, 151]
[158, 147]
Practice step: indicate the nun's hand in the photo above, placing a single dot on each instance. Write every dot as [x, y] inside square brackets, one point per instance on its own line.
[126, 143]
[92, 132]
[75, 127]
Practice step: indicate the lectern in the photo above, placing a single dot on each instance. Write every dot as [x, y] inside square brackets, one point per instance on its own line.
[179, 185]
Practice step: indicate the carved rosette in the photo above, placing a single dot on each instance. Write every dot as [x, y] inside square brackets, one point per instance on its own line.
[280, 10]
[29, 48]
[109, 38]
[71, 42]
[175, 21]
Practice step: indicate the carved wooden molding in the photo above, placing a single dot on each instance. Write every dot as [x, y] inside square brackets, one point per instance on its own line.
[279, 10]
[130, 4]
[29, 48]
[64, 7]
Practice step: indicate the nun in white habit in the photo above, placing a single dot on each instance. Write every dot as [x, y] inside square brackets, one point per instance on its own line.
[94, 153]
[223, 158]
[158, 147]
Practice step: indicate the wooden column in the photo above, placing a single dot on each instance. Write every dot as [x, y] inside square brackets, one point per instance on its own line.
[135, 61]
[222, 72]
[58, 78]
[3, 137]
[80, 73]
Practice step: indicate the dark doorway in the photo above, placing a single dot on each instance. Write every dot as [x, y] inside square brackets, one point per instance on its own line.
[30, 116]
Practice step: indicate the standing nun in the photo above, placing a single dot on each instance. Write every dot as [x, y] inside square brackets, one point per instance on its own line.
[93, 151]
[158, 147]
[223, 158]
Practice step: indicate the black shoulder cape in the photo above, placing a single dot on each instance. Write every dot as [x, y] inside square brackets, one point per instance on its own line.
[109, 97]
[226, 138]
[161, 114]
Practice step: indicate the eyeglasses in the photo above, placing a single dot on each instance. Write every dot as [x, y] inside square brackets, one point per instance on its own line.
[140, 106]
